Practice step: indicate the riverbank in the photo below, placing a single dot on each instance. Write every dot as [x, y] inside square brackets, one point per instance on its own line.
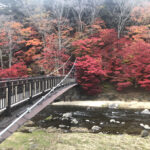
[109, 104]
[42, 140]
[70, 128]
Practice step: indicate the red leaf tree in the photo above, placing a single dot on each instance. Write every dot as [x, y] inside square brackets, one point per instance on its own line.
[90, 73]
[131, 65]
[17, 70]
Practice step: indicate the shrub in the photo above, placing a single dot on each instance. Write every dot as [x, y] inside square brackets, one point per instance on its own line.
[90, 74]
[17, 70]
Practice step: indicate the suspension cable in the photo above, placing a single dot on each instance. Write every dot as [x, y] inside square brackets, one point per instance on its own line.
[60, 67]
[38, 102]
[17, 78]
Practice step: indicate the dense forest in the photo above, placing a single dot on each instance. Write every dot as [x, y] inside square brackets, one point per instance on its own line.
[110, 40]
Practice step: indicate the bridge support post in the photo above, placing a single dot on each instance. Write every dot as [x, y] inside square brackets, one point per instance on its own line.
[43, 86]
[31, 92]
[8, 98]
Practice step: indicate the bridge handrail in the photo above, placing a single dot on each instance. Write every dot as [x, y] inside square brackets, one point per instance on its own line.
[27, 78]
[38, 102]
[14, 92]
[61, 66]
[36, 77]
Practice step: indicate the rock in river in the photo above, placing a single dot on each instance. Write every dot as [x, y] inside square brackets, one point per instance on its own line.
[67, 115]
[144, 133]
[146, 112]
[145, 126]
[112, 120]
[74, 121]
[95, 129]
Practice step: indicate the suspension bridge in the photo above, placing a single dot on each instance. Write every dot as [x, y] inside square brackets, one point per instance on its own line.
[23, 98]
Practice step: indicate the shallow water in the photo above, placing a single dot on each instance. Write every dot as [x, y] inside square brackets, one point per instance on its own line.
[112, 121]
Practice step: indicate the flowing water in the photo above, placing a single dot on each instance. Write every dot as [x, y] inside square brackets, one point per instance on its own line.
[111, 121]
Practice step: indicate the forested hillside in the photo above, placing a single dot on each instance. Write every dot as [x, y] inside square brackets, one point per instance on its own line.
[110, 39]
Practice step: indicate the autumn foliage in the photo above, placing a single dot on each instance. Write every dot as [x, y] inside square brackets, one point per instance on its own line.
[131, 65]
[17, 70]
[33, 49]
[93, 55]
[90, 73]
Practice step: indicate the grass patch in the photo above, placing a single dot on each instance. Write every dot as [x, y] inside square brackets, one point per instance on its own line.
[41, 140]
[38, 140]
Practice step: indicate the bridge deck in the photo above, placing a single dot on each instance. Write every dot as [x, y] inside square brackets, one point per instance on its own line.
[5, 121]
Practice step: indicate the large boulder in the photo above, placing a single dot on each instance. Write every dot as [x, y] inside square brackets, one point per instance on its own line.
[96, 129]
[145, 112]
[67, 115]
[29, 124]
[145, 126]
[74, 121]
[144, 133]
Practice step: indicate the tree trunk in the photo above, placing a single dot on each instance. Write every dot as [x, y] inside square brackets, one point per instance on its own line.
[59, 38]
[1, 59]
[80, 24]
[10, 59]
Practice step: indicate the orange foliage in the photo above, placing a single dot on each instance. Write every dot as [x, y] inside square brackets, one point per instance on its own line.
[139, 33]
[26, 31]
[141, 14]
[33, 42]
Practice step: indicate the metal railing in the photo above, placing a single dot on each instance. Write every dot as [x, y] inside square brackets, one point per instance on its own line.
[16, 91]
[27, 89]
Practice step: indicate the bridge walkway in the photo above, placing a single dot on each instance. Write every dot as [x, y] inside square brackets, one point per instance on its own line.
[21, 99]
